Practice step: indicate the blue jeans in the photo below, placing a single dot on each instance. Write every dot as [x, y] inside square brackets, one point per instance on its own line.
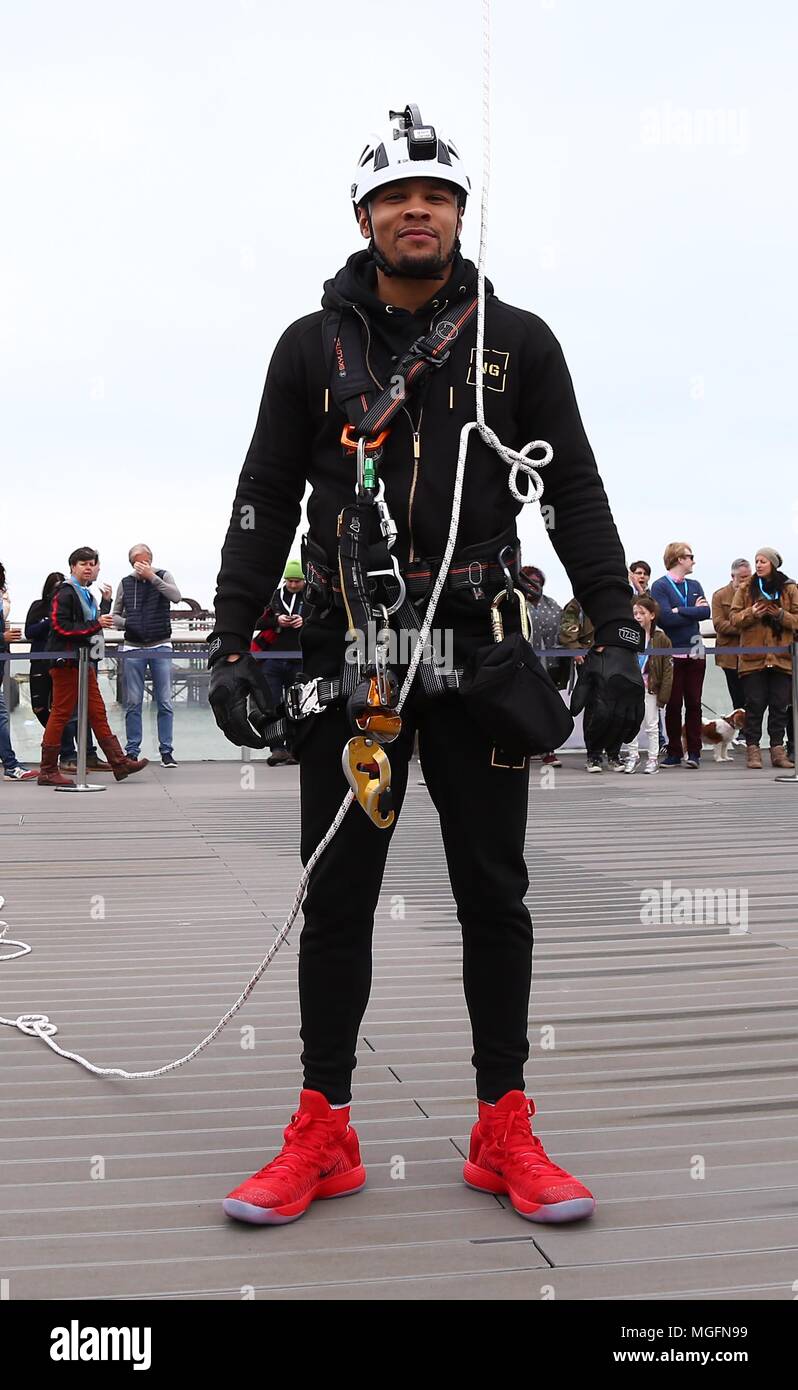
[135, 669]
[7, 754]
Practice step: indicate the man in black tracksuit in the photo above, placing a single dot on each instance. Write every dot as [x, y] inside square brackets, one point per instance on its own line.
[412, 277]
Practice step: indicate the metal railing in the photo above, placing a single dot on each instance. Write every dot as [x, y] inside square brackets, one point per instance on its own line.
[209, 736]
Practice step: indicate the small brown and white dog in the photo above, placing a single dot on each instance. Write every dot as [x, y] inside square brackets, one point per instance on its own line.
[720, 733]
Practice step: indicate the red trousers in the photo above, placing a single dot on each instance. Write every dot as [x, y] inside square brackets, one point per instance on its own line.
[65, 695]
[688, 682]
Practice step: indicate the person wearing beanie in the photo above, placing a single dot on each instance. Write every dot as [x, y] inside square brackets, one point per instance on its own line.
[764, 612]
[277, 633]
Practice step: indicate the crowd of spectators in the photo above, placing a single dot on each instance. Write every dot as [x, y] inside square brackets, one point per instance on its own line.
[754, 618]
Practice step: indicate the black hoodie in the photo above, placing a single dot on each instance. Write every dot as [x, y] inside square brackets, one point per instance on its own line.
[528, 395]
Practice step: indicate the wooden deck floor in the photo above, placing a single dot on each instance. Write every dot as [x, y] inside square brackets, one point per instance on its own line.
[675, 1047]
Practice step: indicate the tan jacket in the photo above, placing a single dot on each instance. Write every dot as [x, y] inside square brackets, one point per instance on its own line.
[753, 632]
[726, 634]
[660, 668]
[576, 629]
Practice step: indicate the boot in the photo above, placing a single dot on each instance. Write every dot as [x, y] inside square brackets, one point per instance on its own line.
[753, 755]
[121, 765]
[778, 757]
[94, 763]
[49, 776]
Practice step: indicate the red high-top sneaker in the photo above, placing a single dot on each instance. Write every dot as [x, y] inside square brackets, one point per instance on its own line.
[506, 1157]
[320, 1158]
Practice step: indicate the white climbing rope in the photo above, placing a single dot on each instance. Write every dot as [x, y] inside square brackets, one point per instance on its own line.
[24, 948]
[39, 1025]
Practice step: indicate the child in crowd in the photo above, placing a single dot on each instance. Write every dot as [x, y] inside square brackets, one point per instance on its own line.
[657, 674]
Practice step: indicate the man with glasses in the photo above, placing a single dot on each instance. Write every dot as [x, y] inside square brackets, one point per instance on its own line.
[683, 605]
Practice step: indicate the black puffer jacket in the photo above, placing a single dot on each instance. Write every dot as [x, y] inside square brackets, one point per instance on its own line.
[528, 395]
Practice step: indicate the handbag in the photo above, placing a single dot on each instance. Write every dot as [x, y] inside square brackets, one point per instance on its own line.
[507, 691]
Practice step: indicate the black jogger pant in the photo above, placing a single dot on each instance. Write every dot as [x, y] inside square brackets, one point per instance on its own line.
[769, 689]
[735, 687]
[483, 812]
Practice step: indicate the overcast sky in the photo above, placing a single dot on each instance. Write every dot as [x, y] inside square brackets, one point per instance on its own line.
[175, 183]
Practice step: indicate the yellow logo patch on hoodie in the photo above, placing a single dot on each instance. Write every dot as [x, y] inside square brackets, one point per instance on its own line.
[494, 368]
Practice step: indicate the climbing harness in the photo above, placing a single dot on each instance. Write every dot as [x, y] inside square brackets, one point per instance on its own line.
[518, 462]
[370, 414]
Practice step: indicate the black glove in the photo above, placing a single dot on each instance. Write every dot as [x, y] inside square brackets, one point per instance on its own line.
[610, 688]
[232, 685]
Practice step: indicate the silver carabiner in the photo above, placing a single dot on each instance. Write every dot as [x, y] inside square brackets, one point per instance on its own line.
[387, 523]
[508, 578]
[394, 607]
[381, 656]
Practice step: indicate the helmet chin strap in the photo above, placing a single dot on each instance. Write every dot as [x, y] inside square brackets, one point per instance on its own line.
[411, 274]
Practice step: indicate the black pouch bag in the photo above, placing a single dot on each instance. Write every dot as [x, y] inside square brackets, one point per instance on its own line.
[507, 691]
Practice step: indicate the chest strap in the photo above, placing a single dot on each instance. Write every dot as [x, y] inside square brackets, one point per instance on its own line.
[369, 413]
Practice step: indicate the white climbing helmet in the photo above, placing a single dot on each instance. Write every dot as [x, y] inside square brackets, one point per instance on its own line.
[408, 149]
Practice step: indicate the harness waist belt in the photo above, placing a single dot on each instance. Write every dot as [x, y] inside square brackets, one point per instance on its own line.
[324, 585]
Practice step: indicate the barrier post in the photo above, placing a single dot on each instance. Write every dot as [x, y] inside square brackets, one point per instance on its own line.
[81, 784]
[792, 776]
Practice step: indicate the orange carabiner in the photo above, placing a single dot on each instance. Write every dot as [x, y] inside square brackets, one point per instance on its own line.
[372, 445]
